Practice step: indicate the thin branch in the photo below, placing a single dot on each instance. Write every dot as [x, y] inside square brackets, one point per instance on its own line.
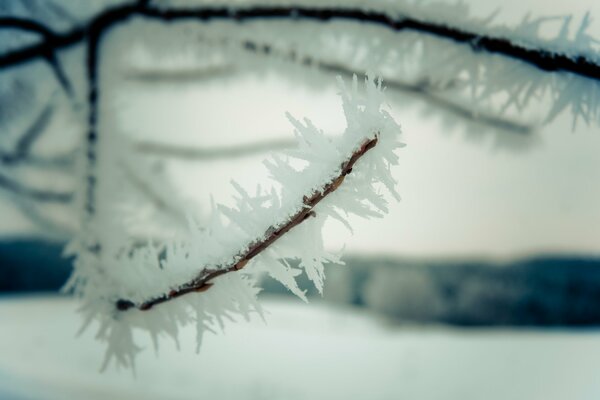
[541, 58]
[212, 153]
[60, 161]
[94, 30]
[33, 193]
[36, 51]
[61, 12]
[22, 153]
[31, 134]
[26, 25]
[60, 74]
[421, 88]
[159, 201]
[181, 75]
[202, 282]
[45, 48]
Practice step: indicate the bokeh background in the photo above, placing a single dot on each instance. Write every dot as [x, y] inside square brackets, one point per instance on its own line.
[483, 282]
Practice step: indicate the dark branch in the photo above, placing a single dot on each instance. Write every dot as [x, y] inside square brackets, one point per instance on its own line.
[60, 74]
[540, 58]
[22, 153]
[202, 281]
[49, 45]
[31, 134]
[47, 52]
[421, 88]
[26, 25]
[33, 193]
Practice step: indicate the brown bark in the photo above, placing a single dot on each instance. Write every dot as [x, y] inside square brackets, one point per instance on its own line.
[202, 282]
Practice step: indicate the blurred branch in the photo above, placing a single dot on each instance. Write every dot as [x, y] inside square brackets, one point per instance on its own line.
[544, 59]
[22, 152]
[26, 25]
[61, 12]
[57, 162]
[202, 282]
[33, 193]
[46, 49]
[179, 75]
[26, 140]
[422, 88]
[162, 203]
[94, 29]
[212, 153]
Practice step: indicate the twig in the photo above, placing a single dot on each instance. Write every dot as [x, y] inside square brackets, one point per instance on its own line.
[420, 88]
[211, 153]
[22, 150]
[31, 134]
[97, 27]
[47, 52]
[541, 58]
[202, 282]
[159, 201]
[26, 25]
[33, 193]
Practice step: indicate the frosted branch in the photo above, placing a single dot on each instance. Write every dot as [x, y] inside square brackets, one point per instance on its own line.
[541, 58]
[274, 233]
[337, 177]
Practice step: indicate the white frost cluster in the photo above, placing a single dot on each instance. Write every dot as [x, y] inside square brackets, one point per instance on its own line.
[482, 82]
[106, 271]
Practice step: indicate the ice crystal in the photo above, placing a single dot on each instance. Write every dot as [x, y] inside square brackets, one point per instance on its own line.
[114, 268]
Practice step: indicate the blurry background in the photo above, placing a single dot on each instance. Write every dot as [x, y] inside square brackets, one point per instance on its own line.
[483, 282]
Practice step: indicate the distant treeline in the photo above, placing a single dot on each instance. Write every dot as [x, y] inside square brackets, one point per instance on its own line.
[539, 291]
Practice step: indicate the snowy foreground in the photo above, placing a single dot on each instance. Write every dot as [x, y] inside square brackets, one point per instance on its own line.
[312, 351]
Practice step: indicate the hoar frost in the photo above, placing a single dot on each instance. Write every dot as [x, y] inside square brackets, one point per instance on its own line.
[104, 275]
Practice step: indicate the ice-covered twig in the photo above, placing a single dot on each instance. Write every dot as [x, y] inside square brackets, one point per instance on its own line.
[202, 281]
[423, 88]
[322, 178]
[544, 59]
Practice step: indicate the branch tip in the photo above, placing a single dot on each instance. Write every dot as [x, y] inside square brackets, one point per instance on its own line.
[202, 282]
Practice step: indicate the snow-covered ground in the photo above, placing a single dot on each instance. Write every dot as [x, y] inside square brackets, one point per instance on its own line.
[312, 351]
